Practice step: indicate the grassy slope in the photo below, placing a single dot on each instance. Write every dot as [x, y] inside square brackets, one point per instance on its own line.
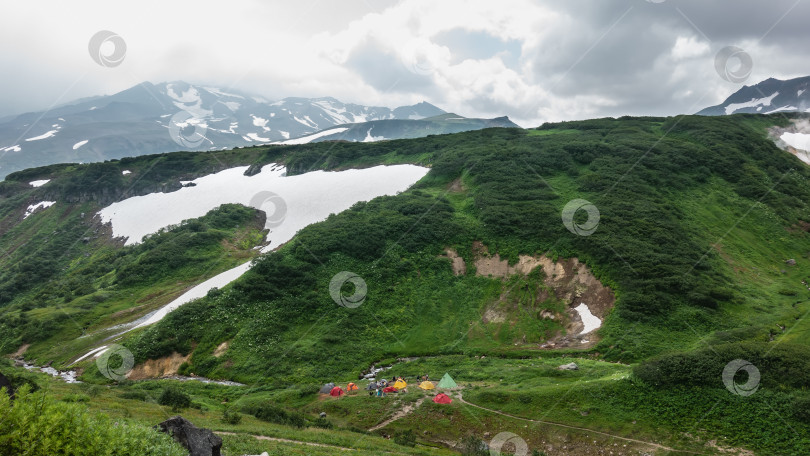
[694, 233]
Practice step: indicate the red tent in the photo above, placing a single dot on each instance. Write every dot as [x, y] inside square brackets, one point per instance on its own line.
[442, 398]
[336, 391]
[390, 389]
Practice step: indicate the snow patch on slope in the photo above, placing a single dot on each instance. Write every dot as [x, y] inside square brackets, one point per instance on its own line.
[589, 320]
[80, 144]
[34, 207]
[309, 198]
[310, 138]
[754, 102]
[39, 183]
[45, 135]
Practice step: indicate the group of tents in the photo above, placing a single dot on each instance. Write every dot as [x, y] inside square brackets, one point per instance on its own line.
[383, 386]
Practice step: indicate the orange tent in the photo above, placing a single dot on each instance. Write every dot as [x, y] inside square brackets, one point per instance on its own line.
[351, 387]
[442, 398]
[336, 391]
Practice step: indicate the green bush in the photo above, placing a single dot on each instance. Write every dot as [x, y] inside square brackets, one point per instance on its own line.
[405, 438]
[273, 414]
[175, 399]
[37, 424]
[231, 416]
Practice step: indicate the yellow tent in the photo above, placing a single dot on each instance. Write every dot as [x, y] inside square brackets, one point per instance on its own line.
[400, 384]
[426, 385]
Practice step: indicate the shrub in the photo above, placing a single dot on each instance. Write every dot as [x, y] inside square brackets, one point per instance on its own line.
[273, 414]
[405, 438]
[175, 399]
[36, 423]
[231, 416]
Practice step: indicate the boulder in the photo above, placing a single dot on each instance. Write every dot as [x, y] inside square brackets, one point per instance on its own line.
[790, 262]
[199, 442]
[6, 383]
[569, 367]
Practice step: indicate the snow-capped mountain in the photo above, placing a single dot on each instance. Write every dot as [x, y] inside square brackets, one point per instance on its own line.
[154, 118]
[378, 130]
[769, 96]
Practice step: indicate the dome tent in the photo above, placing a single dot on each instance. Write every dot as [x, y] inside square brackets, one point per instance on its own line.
[442, 398]
[337, 391]
[427, 385]
[326, 389]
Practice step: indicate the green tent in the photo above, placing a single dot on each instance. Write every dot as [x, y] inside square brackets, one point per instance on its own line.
[447, 382]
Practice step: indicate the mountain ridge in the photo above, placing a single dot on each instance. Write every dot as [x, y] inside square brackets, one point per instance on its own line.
[766, 97]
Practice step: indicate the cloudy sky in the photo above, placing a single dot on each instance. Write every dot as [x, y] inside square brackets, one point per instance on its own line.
[534, 61]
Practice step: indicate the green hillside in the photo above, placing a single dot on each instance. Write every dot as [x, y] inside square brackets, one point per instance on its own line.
[697, 219]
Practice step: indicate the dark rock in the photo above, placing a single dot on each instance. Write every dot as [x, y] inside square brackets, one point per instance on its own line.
[199, 442]
[253, 169]
[6, 383]
[790, 262]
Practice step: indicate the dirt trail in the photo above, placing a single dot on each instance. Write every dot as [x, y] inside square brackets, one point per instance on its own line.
[298, 442]
[551, 423]
[404, 411]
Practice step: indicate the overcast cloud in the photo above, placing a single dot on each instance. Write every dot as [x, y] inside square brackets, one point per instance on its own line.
[534, 61]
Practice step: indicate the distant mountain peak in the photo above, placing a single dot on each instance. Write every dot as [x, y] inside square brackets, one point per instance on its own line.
[768, 96]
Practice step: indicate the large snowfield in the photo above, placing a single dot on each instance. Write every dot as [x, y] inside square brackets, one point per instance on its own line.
[290, 202]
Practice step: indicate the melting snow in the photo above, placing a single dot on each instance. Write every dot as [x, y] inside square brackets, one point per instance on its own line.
[218, 281]
[589, 320]
[310, 138]
[232, 105]
[80, 144]
[41, 205]
[752, 103]
[219, 92]
[370, 138]
[285, 134]
[125, 172]
[309, 198]
[306, 121]
[39, 183]
[14, 148]
[256, 137]
[260, 122]
[47, 134]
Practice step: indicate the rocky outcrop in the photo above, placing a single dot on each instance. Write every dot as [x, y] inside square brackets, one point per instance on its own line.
[199, 442]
